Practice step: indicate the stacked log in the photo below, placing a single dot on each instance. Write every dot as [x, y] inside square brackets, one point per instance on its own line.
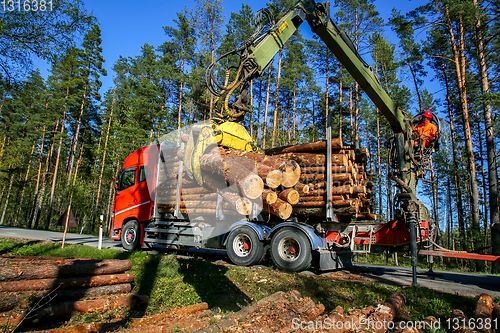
[235, 180]
[64, 285]
[351, 188]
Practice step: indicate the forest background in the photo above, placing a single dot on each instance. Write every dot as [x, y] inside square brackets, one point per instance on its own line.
[64, 135]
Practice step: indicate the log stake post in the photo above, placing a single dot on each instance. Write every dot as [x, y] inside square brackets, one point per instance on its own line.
[177, 212]
[329, 208]
[219, 215]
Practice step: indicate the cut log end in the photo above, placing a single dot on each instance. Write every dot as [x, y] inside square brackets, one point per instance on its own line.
[252, 186]
[291, 173]
[274, 178]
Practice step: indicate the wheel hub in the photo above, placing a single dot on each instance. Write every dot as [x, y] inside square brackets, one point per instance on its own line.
[289, 249]
[130, 236]
[242, 245]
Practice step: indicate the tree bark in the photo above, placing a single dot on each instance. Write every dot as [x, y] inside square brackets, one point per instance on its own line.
[65, 283]
[306, 147]
[103, 161]
[7, 199]
[459, 57]
[275, 117]
[249, 184]
[289, 195]
[31, 272]
[266, 109]
[54, 177]
[279, 208]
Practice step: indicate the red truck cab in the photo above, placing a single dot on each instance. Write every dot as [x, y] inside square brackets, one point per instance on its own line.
[134, 199]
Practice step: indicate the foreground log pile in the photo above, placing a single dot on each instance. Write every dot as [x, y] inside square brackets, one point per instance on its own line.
[35, 288]
[284, 181]
[291, 312]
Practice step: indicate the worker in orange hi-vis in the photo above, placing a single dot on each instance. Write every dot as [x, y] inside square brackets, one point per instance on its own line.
[427, 131]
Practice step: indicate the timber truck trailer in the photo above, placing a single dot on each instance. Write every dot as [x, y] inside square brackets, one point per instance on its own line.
[152, 206]
[157, 205]
[182, 193]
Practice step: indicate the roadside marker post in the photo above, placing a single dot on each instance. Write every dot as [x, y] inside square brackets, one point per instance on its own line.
[101, 217]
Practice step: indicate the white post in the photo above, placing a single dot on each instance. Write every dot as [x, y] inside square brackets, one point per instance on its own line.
[101, 217]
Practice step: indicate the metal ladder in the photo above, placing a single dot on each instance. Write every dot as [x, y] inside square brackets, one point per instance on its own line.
[361, 228]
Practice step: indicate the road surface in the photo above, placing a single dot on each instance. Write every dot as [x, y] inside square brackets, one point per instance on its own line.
[54, 236]
[462, 283]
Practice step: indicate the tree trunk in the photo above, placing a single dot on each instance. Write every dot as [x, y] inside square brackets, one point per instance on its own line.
[293, 111]
[35, 200]
[379, 164]
[279, 208]
[7, 199]
[83, 268]
[488, 123]
[96, 206]
[327, 89]
[179, 110]
[251, 108]
[313, 118]
[25, 184]
[458, 189]
[79, 160]
[275, 116]
[38, 204]
[72, 151]
[65, 283]
[341, 125]
[54, 177]
[350, 113]
[266, 109]
[459, 55]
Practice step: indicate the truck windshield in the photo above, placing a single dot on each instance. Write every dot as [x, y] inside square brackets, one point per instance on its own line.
[127, 178]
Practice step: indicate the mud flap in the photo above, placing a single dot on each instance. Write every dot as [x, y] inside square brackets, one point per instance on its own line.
[334, 260]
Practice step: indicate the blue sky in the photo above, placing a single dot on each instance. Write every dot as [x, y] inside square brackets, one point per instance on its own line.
[127, 25]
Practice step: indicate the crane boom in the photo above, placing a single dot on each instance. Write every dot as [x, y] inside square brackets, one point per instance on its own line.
[257, 53]
[318, 17]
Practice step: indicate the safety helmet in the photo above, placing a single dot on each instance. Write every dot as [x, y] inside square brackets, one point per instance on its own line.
[428, 114]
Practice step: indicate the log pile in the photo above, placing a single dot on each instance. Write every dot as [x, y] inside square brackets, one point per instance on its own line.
[63, 285]
[351, 187]
[281, 182]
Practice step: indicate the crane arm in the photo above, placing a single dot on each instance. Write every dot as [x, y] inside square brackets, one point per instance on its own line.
[317, 16]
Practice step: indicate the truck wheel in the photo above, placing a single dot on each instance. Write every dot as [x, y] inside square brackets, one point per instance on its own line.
[130, 236]
[291, 250]
[244, 247]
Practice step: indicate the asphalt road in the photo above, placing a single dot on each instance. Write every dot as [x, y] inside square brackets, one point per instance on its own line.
[464, 284]
[54, 236]
[454, 283]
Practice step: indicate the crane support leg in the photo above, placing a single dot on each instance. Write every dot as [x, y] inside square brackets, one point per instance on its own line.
[412, 220]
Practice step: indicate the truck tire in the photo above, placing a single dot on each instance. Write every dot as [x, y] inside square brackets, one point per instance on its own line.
[291, 250]
[130, 235]
[244, 247]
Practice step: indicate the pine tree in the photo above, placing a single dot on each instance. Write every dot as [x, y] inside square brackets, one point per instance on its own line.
[46, 33]
[179, 51]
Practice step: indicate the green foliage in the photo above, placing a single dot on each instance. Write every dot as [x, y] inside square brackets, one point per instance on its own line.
[44, 34]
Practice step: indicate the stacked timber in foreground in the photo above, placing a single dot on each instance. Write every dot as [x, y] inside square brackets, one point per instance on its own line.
[284, 181]
[34, 288]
